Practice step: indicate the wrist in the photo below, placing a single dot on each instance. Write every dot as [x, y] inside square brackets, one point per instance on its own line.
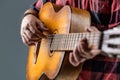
[31, 12]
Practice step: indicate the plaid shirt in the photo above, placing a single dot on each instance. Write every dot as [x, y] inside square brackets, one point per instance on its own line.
[105, 14]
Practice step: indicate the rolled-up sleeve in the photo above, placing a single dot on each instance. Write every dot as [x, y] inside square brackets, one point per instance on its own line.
[39, 3]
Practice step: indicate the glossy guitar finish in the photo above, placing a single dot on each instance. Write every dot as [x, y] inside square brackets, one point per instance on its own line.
[55, 64]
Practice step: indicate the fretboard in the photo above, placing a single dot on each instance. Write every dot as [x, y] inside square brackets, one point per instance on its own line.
[67, 42]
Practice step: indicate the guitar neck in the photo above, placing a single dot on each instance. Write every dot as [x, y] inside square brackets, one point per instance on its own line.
[67, 42]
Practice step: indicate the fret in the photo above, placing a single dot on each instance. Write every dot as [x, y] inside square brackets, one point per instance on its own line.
[53, 42]
[49, 41]
[65, 45]
[73, 39]
[50, 38]
[92, 38]
[69, 45]
[79, 37]
[83, 35]
[76, 40]
[61, 42]
[68, 41]
[97, 40]
[88, 36]
[57, 42]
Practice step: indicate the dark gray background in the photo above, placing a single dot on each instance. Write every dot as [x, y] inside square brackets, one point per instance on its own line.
[13, 53]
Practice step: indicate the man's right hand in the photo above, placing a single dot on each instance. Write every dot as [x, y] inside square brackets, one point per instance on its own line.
[31, 29]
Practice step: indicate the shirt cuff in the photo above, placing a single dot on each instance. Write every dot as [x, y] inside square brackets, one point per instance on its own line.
[33, 6]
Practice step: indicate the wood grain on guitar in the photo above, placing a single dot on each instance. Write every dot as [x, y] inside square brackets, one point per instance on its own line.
[55, 64]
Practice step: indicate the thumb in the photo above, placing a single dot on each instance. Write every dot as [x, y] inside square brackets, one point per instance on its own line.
[91, 29]
[41, 26]
[94, 52]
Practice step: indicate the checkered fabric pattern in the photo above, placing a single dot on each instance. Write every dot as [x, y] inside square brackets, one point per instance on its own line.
[101, 68]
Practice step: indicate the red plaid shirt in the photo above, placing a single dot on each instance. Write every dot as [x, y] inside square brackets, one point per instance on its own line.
[105, 14]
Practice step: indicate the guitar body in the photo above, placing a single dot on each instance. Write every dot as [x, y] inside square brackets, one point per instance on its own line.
[55, 64]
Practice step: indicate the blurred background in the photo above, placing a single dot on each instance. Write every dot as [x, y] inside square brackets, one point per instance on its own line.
[13, 53]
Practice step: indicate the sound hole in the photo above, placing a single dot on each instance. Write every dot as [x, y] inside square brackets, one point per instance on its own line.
[43, 77]
[51, 53]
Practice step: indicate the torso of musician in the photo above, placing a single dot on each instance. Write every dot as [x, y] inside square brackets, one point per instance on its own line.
[105, 15]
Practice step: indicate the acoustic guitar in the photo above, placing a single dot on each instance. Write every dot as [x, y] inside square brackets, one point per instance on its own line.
[49, 58]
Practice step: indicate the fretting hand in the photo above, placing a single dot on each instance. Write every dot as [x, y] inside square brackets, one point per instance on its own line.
[83, 50]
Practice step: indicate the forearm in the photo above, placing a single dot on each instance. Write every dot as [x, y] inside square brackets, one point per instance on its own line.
[35, 7]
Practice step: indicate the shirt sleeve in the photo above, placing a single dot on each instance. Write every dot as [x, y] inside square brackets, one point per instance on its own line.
[39, 3]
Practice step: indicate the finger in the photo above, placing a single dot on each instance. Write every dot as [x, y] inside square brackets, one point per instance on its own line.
[72, 60]
[95, 52]
[84, 44]
[25, 27]
[36, 32]
[24, 39]
[89, 54]
[81, 51]
[95, 29]
[82, 48]
[28, 34]
[85, 52]
[88, 29]
[30, 37]
[29, 41]
[92, 29]
[76, 55]
[41, 26]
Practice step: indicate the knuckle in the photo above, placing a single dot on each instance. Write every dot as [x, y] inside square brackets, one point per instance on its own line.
[35, 31]
[30, 36]
[28, 40]
[25, 42]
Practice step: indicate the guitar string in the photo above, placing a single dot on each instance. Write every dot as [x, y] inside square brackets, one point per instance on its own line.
[71, 39]
[57, 40]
